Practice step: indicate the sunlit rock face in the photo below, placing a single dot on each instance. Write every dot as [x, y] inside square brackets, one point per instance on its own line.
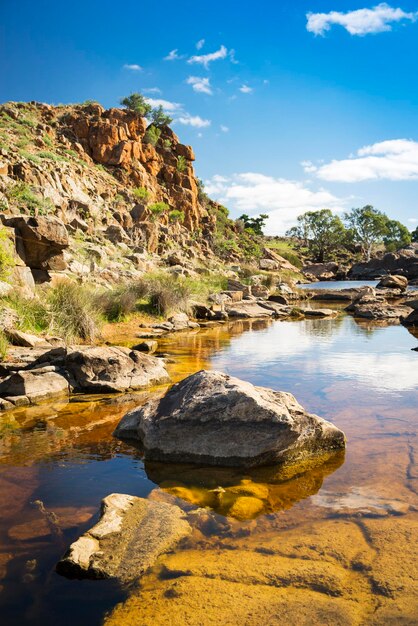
[216, 419]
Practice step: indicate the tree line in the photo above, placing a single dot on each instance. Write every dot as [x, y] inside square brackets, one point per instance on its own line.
[324, 233]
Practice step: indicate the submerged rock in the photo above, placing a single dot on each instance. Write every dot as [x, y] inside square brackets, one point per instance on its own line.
[216, 419]
[130, 535]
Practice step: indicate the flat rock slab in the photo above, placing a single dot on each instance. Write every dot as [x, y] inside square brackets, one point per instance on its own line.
[215, 419]
[248, 310]
[129, 537]
[319, 312]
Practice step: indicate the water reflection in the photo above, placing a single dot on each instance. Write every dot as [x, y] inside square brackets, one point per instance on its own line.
[244, 495]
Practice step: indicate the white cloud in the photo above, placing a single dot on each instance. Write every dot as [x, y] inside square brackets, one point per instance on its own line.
[173, 55]
[245, 89]
[224, 129]
[193, 120]
[152, 90]
[412, 220]
[282, 199]
[205, 59]
[200, 44]
[166, 104]
[395, 159]
[360, 22]
[200, 85]
[133, 66]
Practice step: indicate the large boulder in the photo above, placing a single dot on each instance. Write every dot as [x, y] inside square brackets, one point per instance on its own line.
[212, 418]
[40, 241]
[129, 537]
[112, 369]
[393, 282]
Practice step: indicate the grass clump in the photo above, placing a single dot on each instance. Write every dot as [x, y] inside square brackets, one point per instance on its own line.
[169, 295]
[4, 346]
[7, 261]
[117, 303]
[32, 313]
[73, 313]
[21, 194]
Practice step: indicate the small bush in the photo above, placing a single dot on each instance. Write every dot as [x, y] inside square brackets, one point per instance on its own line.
[152, 135]
[141, 193]
[73, 311]
[45, 154]
[181, 163]
[47, 139]
[157, 209]
[167, 143]
[176, 216]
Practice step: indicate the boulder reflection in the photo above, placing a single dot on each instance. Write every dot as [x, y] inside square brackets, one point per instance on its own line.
[244, 495]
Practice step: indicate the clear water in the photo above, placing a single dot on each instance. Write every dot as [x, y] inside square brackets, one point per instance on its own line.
[344, 284]
[362, 377]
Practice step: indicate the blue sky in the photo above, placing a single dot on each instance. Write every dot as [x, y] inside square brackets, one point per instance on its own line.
[305, 104]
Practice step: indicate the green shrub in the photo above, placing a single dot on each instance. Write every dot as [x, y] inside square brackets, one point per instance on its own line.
[73, 312]
[181, 163]
[4, 345]
[141, 193]
[136, 102]
[157, 209]
[6, 254]
[119, 302]
[167, 143]
[176, 216]
[152, 135]
[159, 118]
[47, 139]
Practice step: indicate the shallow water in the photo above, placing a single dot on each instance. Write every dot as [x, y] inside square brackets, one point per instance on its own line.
[345, 284]
[334, 544]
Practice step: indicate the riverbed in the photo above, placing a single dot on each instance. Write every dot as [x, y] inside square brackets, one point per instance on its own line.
[334, 545]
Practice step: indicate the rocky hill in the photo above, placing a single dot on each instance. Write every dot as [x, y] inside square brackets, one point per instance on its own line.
[84, 190]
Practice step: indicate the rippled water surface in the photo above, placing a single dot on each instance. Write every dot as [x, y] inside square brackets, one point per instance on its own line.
[335, 544]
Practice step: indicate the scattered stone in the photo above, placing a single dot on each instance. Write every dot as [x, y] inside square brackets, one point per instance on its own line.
[393, 282]
[146, 346]
[318, 312]
[248, 309]
[112, 369]
[213, 418]
[19, 338]
[129, 537]
[33, 385]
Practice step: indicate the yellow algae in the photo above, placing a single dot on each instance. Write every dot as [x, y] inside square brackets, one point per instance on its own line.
[245, 507]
